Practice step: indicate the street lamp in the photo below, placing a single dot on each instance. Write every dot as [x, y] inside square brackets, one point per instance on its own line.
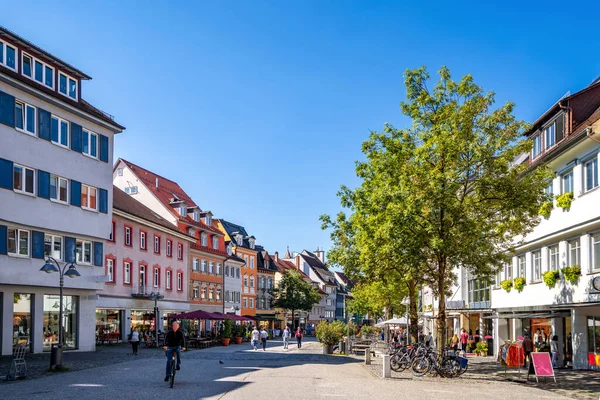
[69, 270]
[234, 309]
[156, 297]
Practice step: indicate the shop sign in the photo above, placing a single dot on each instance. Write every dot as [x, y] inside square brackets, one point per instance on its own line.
[542, 365]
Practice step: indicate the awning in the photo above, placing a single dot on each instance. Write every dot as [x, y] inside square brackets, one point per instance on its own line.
[561, 314]
[198, 314]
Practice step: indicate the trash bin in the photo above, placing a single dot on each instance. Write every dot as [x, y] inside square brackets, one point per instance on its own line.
[342, 347]
[490, 344]
[56, 355]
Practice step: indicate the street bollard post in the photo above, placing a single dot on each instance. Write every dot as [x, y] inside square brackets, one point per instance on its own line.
[367, 357]
[387, 366]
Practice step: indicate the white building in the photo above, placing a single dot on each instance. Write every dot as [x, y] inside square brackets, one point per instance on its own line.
[567, 139]
[56, 154]
[232, 281]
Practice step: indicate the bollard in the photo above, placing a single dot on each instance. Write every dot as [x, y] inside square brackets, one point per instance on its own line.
[387, 366]
[367, 357]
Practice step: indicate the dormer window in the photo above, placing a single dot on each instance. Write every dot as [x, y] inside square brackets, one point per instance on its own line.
[238, 239]
[183, 210]
[229, 250]
[251, 243]
[8, 56]
[67, 86]
[37, 70]
[215, 242]
[204, 238]
[537, 146]
[554, 132]
[197, 215]
[208, 220]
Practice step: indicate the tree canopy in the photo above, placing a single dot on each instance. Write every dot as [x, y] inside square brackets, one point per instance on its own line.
[293, 293]
[444, 192]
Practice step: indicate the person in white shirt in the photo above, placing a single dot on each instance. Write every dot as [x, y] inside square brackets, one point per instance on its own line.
[135, 340]
[263, 338]
[286, 338]
[255, 337]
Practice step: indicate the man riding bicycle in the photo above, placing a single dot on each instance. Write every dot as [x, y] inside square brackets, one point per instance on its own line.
[174, 342]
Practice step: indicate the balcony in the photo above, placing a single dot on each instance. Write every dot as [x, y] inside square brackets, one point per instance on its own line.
[140, 291]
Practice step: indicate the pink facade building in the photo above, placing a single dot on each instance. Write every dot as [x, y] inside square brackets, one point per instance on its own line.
[146, 262]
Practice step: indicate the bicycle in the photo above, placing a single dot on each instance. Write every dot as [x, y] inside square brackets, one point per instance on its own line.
[173, 365]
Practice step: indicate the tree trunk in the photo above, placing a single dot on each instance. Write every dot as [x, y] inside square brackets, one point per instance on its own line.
[441, 317]
[414, 317]
[294, 320]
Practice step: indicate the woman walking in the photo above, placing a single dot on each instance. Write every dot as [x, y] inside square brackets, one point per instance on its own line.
[554, 350]
[263, 338]
[135, 340]
[299, 337]
[286, 337]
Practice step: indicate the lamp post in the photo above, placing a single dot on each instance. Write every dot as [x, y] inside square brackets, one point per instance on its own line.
[70, 270]
[156, 297]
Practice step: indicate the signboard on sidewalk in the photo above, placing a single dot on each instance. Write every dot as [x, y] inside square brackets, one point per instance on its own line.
[542, 365]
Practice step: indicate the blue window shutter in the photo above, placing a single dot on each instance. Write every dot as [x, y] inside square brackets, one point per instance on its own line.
[38, 244]
[70, 249]
[103, 206]
[103, 148]
[3, 239]
[44, 119]
[98, 255]
[75, 137]
[6, 174]
[7, 109]
[43, 184]
[75, 193]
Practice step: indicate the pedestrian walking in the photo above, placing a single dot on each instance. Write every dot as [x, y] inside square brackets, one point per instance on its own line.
[464, 338]
[454, 342]
[527, 349]
[255, 338]
[134, 338]
[554, 350]
[286, 338]
[263, 338]
[299, 337]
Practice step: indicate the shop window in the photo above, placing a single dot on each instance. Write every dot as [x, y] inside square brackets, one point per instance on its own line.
[108, 322]
[51, 323]
[594, 342]
[22, 318]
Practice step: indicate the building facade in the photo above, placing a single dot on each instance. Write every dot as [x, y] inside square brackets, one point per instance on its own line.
[233, 281]
[58, 205]
[146, 258]
[265, 312]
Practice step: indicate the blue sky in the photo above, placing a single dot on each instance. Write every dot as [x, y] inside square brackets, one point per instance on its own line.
[258, 109]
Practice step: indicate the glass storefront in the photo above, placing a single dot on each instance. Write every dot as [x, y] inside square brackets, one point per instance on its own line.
[51, 322]
[108, 321]
[143, 320]
[593, 324]
[22, 318]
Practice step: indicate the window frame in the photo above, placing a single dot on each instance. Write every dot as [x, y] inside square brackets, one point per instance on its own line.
[523, 265]
[143, 240]
[569, 249]
[179, 281]
[536, 256]
[215, 242]
[25, 111]
[125, 229]
[45, 66]
[195, 264]
[179, 251]
[156, 276]
[555, 255]
[88, 133]
[595, 257]
[59, 133]
[127, 274]
[533, 148]
[52, 243]
[18, 239]
[156, 244]
[110, 271]
[24, 170]
[169, 279]
[67, 94]
[204, 239]
[89, 197]
[58, 180]
[569, 174]
[595, 180]
[169, 248]
[4, 55]
[83, 245]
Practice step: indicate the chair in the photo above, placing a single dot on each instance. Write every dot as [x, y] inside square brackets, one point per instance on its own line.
[18, 367]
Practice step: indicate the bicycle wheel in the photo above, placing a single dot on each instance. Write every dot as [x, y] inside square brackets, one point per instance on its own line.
[420, 366]
[172, 380]
[450, 368]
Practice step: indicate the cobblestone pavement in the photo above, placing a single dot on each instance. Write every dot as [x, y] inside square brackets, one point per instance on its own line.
[485, 370]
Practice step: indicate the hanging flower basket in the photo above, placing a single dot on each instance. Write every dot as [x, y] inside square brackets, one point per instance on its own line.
[507, 285]
[564, 200]
[572, 274]
[550, 278]
[546, 209]
[520, 284]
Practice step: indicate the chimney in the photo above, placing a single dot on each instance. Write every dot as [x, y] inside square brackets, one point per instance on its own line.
[156, 183]
[276, 256]
[298, 262]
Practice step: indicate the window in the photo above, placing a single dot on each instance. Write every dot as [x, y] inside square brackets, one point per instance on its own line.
[251, 281]
[131, 190]
[88, 197]
[227, 296]
[37, 70]
[215, 242]
[553, 258]
[550, 135]
[59, 189]
[196, 264]
[550, 190]
[590, 169]
[89, 143]
[251, 303]
[270, 283]
[593, 324]
[245, 261]
[179, 251]
[536, 259]
[596, 251]
[53, 246]
[251, 262]
[574, 248]
[169, 279]
[509, 268]
[219, 272]
[18, 242]
[59, 131]
[211, 294]
[329, 302]
[537, 146]
[70, 315]
[156, 280]
[204, 238]
[478, 291]
[237, 273]
[245, 302]
[227, 270]
[179, 281]
[83, 252]
[521, 262]
[111, 237]
[23, 179]
[204, 293]
[251, 241]
[8, 56]
[119, 171]
[67, 86]
[25, 117]
[127, 273]
[245, 280]
[212, 268]
[26, 64]
[127, 236]
[169, 248]
[204, 267]
[229, 251]
[142, 240]
[263, 282]
[567, 182]
[157, 244]
[110, 269]
[196, 292]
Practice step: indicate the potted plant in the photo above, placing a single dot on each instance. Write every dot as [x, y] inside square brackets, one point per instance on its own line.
[330, 334]
[481, 348]
[507, 285]
[564, 200]
[226, 333]
[238, 333]
[520, 284]
[572, 274]
[550, 278]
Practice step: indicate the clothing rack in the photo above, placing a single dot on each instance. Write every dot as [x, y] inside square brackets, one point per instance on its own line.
[517, 347]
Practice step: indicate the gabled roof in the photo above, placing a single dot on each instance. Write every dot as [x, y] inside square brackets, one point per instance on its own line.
[233, 229]
[125, 203]
[233, 257]
[166, 191]
[344, 279]
[319, 268]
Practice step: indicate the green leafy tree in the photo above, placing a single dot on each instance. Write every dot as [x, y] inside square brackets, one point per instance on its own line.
[446, 189]
[294, 294]
[378, 299]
